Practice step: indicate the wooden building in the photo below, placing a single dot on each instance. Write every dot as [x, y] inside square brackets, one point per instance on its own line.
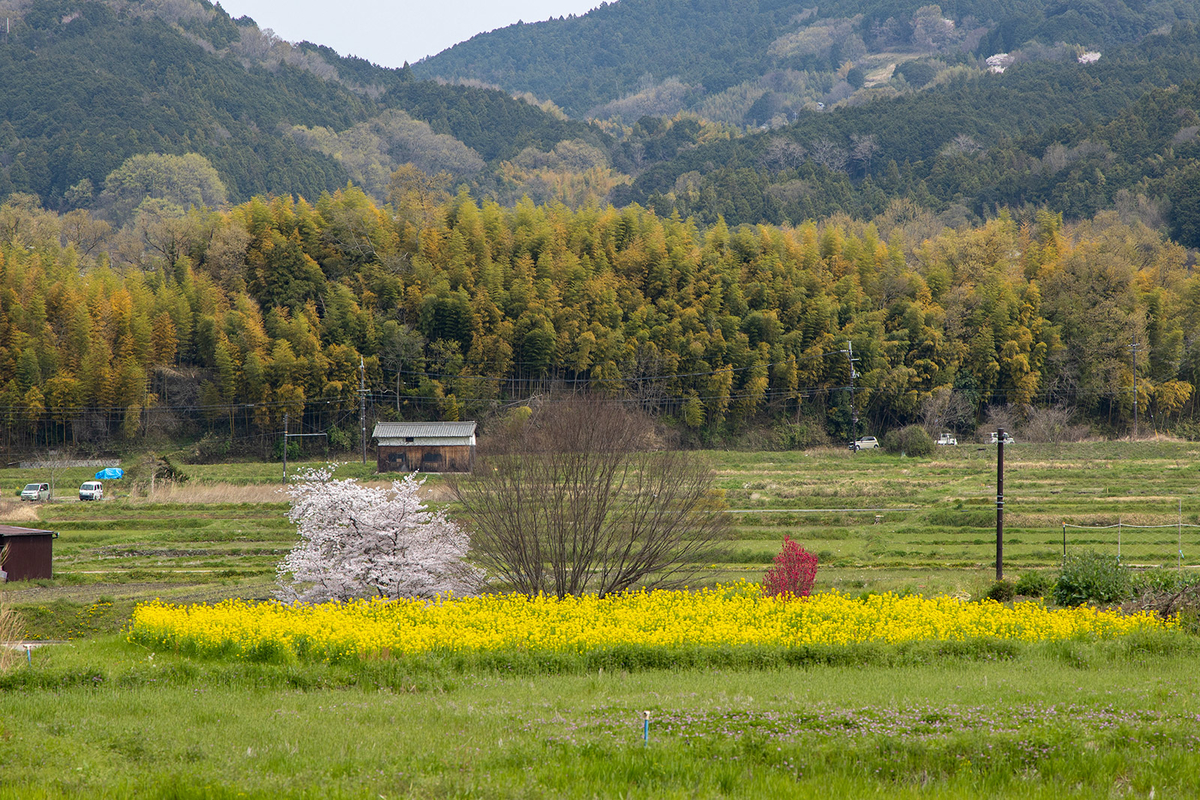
[30, 553]
[425, 446]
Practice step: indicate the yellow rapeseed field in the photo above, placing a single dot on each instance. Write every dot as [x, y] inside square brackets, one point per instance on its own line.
[725, 616]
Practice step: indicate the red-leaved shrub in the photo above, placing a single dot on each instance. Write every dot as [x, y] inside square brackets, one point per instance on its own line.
[793, 574]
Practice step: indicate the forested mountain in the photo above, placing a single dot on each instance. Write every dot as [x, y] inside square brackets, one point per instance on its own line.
[85, 84]
[963, 111]
[458, 310]
[1066, 135]
[203, 228]
[739, 61]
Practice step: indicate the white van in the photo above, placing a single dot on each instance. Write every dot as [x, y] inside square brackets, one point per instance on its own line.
[91, 490]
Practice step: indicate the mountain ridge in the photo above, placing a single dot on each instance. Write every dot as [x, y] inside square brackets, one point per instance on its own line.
[709, 46]
[84, 85]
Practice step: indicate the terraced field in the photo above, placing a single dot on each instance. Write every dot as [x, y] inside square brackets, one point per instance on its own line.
[877, 521]
[1081, 718]
[875, 516]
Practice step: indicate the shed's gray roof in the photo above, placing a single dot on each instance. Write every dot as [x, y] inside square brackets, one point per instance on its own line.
[9, 530]
[400, 430]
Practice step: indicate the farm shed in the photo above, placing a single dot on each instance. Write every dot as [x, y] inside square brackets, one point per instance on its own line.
[30, 552]
[425, 446]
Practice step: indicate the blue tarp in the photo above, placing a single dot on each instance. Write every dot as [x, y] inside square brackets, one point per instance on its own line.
[110, 474]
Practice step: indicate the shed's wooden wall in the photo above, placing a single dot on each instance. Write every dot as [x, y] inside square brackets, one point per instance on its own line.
[29, 557]
[425, 458]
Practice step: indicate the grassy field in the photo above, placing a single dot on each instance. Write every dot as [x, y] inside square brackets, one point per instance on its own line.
[929, 524]
[218, 535]
[98, 716]
[1109, 719]
[877, 521]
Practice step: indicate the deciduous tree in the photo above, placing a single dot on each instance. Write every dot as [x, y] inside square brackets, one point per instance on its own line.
[364, 541]
[580, 498]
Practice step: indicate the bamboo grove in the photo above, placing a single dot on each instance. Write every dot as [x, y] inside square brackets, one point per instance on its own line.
[446, 308]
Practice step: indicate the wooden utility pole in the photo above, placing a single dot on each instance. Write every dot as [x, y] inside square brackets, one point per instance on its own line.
[849, 351]
[1133, 348]
[285, 442]
[362, 404]
[1000, 503]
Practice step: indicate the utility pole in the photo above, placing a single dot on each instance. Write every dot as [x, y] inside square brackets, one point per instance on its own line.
[362, 404]
[1133, 348]
[285, 443]
[849, 351]
[1000, 434]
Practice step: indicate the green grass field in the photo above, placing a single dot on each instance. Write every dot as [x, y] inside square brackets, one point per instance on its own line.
[877, 521]
[1090, 720]
[98, 717]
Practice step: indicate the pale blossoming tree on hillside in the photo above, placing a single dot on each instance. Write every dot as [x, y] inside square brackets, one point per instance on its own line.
[363, 541]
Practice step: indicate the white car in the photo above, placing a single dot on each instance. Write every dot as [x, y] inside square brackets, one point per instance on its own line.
[865, 443]
[1007, 439]
[947, 439]
[36, 492]
[91, 490]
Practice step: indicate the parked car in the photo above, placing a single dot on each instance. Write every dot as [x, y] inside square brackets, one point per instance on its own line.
[947, 439]
[36, 492]
[91, 490]
[1007, 438]
[865, 443]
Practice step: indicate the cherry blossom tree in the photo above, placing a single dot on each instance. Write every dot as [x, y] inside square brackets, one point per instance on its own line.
[364, 541]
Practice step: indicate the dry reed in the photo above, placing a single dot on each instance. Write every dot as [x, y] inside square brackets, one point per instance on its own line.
[18, 511]
[248, 493]
[11, 626]
[213, 493]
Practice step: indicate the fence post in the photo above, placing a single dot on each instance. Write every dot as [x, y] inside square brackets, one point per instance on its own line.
[1180, 529]
[1118, 540]
[1064, 542]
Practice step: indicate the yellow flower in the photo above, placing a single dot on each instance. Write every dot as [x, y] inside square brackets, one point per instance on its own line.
[737, 615]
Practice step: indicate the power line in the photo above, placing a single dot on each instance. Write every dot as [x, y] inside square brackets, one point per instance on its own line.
[621, 379]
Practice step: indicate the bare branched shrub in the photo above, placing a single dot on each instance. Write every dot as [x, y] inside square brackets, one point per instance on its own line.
[782, 154]
[1169, 594]
[1053, 424]
[829, 155]
[944, 410]
[579, 498]
[1005, 417]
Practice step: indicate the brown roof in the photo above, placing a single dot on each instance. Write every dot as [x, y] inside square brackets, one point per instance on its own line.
[10, 530]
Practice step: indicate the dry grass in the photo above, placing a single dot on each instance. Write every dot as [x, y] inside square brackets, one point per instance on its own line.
[253, 493]
[213, 493]
[11, 626]
[11, 630]
[17, 511]
[1166, 603]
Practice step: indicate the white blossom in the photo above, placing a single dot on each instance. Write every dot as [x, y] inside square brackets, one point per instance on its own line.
[999, 62]
[363, 541]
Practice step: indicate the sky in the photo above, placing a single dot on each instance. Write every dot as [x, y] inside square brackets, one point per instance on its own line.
[390, 33]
